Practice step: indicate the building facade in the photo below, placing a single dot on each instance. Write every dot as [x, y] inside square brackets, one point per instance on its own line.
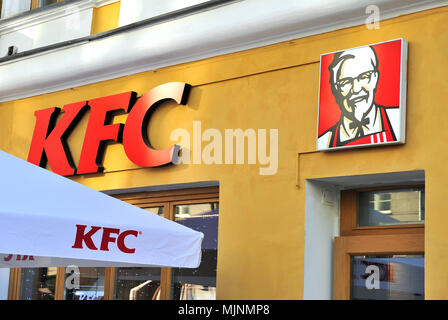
[282, 219]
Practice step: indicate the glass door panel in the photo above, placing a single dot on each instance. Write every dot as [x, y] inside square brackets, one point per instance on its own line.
[91, 285]
[394, 277]
[37, 283]
[200, 283]
[139, 283]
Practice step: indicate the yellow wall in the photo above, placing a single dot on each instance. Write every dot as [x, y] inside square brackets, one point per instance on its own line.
[261, 230]
[105, 18]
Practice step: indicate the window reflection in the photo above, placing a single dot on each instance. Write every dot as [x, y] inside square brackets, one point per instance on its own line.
[199, 283]
[37, 283]
[156, 210]
[91, 285]
[139, 283]
[43, 3]
[391, 207]
[395, 277]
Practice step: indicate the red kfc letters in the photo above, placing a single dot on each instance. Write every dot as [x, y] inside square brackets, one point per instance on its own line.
[82, 237]
[100, 130]
[49, 141]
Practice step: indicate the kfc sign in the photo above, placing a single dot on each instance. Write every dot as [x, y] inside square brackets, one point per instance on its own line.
[83, 237]
[49, 138]
[362, 96]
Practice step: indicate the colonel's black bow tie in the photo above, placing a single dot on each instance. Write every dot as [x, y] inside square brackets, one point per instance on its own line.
[359, 124]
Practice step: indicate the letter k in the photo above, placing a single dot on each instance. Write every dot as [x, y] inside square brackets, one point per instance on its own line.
[86, 238]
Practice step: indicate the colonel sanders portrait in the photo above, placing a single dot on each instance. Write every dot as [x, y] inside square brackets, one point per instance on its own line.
[354, 77]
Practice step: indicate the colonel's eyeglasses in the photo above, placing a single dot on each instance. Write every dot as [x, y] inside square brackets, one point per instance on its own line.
[346, 84]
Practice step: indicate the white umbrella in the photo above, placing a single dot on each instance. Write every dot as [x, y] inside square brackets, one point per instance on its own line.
[48, 220]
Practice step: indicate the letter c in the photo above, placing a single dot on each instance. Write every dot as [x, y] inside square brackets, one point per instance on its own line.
[135, 138]
[121, 238]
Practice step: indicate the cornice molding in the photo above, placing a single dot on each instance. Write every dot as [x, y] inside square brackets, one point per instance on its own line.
[101, 3]
[35, 17]
[130, 52]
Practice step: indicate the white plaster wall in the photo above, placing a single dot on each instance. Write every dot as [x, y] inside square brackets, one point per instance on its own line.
[136, 10]
[321, 226]
[51, 27]
[4, 283]
[13, 7]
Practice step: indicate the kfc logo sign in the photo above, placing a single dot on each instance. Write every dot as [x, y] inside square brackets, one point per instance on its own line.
[49, 141]
[362, 96]
[18, 258]
[84, 237]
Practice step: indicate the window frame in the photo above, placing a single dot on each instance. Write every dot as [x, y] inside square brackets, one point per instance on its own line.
[168, 199]
[348, 220]
[370, 240]
[34, 4]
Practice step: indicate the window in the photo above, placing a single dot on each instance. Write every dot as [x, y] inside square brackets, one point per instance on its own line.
[195, 208]
[91, 285]
[380, 252]
[139, 283]
[38, 283]
[399, 277]
[12, 7]
[200, 283]
[391, 207]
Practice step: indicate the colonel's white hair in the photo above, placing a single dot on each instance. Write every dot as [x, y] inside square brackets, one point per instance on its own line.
[339, 58]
